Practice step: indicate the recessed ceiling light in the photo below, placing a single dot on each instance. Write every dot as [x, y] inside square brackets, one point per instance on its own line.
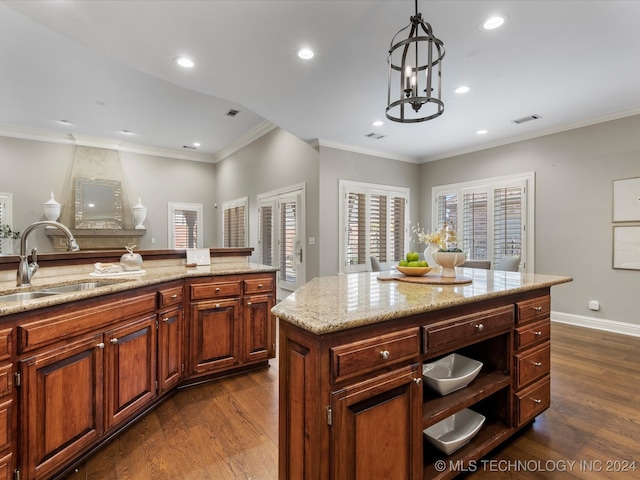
[305, 53]
[493, 22]
[482, 132]
[462, 89]
[185, 62]
[377, 123]
[196, 144]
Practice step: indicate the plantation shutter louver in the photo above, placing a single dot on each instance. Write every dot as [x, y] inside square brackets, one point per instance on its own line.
[507, 228]
[266, 235]
[475, 225]
[396, 228]
[448, 210]
[378, 226]
[234, 222]
[356, 228]
[185, 228]
[287, 235]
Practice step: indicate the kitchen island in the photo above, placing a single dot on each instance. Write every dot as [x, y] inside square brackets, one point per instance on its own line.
[352, 400]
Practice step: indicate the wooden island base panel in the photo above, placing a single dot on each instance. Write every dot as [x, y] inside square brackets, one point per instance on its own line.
[75, 373]
[352, 401]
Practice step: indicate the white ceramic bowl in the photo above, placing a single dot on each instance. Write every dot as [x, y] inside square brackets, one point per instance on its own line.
[455, 431]
[450, 373]
[448, 261]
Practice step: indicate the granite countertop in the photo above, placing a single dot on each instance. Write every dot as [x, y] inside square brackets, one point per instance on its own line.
[154, 274]
[331, 304]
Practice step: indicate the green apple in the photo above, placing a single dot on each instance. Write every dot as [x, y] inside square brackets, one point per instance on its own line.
[403, 263]
[423, 263]
[414, 263]
[413, 256]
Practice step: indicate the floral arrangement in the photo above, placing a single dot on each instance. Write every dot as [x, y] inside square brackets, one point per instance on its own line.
[443, 237]
[7, 232]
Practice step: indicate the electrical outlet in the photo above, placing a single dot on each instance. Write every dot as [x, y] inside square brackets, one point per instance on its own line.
[594, 305]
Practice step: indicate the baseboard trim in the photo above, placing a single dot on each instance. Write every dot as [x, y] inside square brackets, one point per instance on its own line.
[596, 323]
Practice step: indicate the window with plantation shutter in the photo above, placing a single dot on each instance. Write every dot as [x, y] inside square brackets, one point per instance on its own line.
[494, 217]
[507, 222]
[234, 223]
[475, 225]
[266, 233]
[373, 223]
[185, 225]
[288, 236]
[6, 210]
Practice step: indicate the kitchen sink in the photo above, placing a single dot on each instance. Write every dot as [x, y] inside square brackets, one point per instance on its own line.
[24, 296]
[49, 291]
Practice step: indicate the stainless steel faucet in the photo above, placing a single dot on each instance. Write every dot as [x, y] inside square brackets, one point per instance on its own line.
[26, 270]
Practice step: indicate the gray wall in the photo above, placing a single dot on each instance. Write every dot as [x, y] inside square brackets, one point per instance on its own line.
[274, 161]
[338, 165]
[573, 229]
[32, 169]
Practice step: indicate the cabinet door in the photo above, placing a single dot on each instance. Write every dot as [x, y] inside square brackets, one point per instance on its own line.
[377, 428]
[259, 328]
[130, 368]
[215, 335]
[170, 343]
[61, 405]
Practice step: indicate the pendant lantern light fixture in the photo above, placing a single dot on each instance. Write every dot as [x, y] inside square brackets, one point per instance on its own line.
[415, 74]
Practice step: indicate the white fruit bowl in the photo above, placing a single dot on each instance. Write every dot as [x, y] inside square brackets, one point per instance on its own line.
[448, 261]
[455, 431]
[450, 373]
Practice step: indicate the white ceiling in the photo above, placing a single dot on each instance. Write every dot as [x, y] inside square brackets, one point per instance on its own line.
[106, 66]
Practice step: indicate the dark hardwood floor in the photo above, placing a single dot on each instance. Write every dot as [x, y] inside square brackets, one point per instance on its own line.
[228, 429]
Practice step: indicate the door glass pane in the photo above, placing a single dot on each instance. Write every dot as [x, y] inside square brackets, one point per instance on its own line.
[266, 234]
[185, 225]
[356, 229]
[474, 228]
[287, 235]
[507, 230]
[378, 226]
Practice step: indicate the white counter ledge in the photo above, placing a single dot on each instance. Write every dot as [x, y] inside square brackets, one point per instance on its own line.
[330, 304]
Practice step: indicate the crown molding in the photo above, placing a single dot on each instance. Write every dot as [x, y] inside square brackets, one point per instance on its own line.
[259, 131]
[364, 151]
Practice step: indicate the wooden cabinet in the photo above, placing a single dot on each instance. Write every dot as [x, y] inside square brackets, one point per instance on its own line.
[130, 368]
[352, 402]
[230, 322]
[61, 397]
[8, 405]
[376, 427]
[170, 348]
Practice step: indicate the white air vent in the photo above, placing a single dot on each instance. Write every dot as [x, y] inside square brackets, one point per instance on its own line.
[527, 119]
[376, 136]
[232, 113]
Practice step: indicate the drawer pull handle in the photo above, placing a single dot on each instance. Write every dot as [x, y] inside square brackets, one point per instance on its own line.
[259, 285]
[217, 289]
[537, 334]
[384, 354]
[479, 327]
[537, 400]
[165, 319]
[100, 345]
[418, 381]
[174, 296]
[537, 309]
[249, 304]
[217, 305]
[113, 341]
[537, 364]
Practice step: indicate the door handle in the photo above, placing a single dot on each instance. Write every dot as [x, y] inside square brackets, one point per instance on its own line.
[300, 254]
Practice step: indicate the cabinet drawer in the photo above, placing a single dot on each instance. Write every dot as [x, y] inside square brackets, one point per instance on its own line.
[467, 327]
[6, 343]
[532, 334]
[205, 291]
[368, 355]
[536, 308]
[532, 401]
[258, 285]
[169, 296]
[532, 364]
[6, 381]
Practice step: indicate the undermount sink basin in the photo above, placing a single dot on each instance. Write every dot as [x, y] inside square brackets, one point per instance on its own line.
[24, 296]
[74, 287]
[49, 291]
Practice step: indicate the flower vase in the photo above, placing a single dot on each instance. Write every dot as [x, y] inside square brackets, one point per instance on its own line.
[428, 254]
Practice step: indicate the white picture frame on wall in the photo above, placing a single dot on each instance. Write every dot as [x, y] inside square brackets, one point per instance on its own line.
[626, 200]
[626, 247]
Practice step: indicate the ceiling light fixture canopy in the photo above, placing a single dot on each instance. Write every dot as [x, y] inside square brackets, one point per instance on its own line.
[415, 74]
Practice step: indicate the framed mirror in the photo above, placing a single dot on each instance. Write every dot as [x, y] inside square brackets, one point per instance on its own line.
[98, 204]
